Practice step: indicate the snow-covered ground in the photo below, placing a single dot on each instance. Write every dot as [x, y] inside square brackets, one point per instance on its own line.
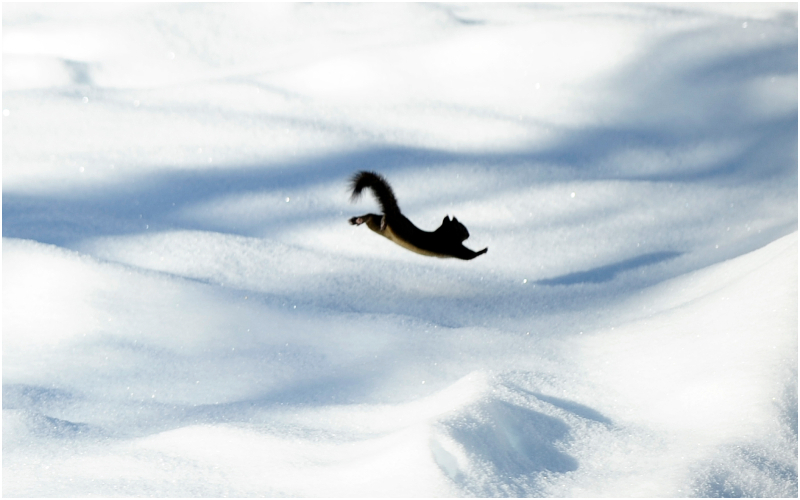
[186, 311]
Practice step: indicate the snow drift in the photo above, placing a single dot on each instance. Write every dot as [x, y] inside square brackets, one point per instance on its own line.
[186, 311]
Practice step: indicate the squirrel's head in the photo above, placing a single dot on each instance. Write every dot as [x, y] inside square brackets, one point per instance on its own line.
[452, 229]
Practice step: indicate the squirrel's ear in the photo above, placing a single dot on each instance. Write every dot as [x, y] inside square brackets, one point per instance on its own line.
[446, 219]
[455, 220]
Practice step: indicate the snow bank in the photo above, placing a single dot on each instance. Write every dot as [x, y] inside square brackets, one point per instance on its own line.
[187, 312]
[189, 388]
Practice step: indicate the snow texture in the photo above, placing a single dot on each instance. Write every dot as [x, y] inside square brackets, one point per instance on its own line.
[186, 311]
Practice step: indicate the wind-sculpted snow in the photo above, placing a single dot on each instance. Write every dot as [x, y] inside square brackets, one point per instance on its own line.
[186, 311]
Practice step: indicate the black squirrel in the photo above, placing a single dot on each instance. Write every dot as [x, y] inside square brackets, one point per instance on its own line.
[444, 242]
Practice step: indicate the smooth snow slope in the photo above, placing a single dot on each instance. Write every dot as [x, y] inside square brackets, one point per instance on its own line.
[186, 311]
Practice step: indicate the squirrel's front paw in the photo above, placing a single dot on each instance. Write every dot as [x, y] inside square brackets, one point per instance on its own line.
[356, 221]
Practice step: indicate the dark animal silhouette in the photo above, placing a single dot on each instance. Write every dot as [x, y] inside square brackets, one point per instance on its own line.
[444, 242]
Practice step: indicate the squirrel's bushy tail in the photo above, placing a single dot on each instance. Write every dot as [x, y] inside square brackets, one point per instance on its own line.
[382, 190]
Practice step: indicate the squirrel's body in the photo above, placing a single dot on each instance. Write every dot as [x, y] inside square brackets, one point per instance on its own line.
[446, 241]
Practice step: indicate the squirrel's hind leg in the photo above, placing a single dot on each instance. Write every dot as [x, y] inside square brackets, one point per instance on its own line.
[357, 221]
[375, 222]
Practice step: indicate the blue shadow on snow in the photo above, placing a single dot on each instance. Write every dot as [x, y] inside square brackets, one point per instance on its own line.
[607, 273]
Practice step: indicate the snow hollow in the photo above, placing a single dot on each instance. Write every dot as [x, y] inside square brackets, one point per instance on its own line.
[186, 311]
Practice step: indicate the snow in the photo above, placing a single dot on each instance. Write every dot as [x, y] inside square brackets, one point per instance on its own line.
[186, 311]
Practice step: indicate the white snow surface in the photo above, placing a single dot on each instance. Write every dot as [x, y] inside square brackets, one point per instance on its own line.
[186, 311]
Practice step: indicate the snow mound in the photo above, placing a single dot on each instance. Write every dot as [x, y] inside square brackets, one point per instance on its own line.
[203, 407]
[187, 312]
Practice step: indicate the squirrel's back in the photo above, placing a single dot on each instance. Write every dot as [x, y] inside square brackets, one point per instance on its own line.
[380, 187]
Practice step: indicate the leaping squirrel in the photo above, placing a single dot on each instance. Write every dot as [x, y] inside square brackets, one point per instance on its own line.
[444, 242]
